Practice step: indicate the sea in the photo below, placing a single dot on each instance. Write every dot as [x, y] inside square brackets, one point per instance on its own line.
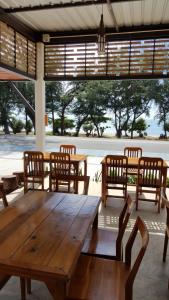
[154, 129]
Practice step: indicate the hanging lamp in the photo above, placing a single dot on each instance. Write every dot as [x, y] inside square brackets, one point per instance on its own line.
[101, 36]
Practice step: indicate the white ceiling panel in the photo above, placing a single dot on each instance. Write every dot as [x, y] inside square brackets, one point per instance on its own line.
[133, 13]
[126, 14]
[118, 11]
[136, 12]
[165, 18]
[148, 4]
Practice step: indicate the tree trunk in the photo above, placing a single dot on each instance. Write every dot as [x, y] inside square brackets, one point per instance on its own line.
[53, 118]
[79, 125]
[118, 133]
[6, 127]
[62, 118]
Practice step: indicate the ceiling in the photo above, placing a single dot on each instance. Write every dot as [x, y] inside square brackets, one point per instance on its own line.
[68, 17]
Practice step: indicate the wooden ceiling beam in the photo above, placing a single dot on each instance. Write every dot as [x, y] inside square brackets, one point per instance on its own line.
[61, 5]
[125, 33]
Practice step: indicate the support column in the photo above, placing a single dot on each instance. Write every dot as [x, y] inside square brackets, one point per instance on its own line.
[40, 99]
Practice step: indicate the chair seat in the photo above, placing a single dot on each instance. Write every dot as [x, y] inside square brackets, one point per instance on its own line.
[147, 183]
[89, 284]
[9, 183]
[120, 180]
[101, 242]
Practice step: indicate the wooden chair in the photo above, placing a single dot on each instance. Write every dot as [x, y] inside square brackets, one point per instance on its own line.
[70, 149]
[166, 203]
[59, 166]
[132, 152]
[4, 279]
[105, 243]
[3, 194]
[33, 170]
[8, 184]
[115, 175]
[149, 179]
[71, 178]
[98, 278]
[20, 178]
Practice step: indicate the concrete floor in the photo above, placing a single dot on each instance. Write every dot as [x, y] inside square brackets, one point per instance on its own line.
[152, 279]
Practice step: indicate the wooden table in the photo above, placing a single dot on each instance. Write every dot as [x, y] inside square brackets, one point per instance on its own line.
[42, 234]
[75, 159]
[132, 164]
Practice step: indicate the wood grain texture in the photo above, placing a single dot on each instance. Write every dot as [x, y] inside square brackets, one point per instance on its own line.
[42, 234]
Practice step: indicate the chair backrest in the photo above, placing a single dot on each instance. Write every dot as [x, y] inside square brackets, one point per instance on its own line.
[133, 151]
[139, 227]
[123, 221]
[33, 164]
[59, 164]
[115, 168]
[166, 203]
[70, 149]
[59, 168]
[150, 171]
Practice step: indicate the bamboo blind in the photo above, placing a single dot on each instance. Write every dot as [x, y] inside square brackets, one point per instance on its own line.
[16, 51]
[121, 58]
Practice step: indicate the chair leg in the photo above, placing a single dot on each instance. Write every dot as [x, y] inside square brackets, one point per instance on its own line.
[23, 289]
[28, 283]
[137, 192]
[5, 202]
[159, 204]
[165, 247]
[105, 199]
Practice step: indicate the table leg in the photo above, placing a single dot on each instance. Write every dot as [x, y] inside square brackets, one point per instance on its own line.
[85, 167]
[57, 289]
[95, 222]
[164, 184]
[103, 185]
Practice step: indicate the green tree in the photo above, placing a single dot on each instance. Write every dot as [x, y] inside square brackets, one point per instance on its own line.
[53, 93]
[7, 106]
[128, 100]
[24, 95]
[88, 128]
[90, 105]
[139, 126]
[28, 126]
[16, 125]
[59, 96]
[59, 130]
[160, 92]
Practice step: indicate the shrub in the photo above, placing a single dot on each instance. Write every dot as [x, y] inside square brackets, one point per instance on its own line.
[16, 125]
[28, 126]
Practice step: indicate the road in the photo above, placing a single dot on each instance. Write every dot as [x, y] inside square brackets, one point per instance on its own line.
[90, 146]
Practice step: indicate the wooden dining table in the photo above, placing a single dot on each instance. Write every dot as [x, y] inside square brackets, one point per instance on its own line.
[76, 160]
[132, 164]
[42, 234]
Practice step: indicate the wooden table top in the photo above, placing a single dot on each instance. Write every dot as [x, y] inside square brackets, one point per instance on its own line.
[41, 234]
[133, 162]
[73, 157]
